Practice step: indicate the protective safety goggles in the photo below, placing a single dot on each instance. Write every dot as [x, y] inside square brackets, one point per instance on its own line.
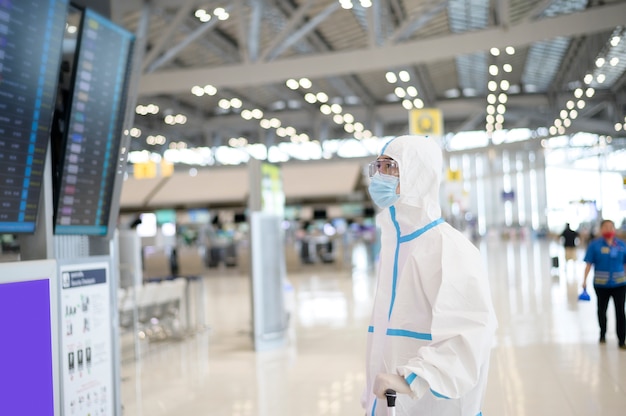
[384, 166]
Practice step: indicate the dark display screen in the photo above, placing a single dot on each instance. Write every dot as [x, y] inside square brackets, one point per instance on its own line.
[26, 350]
[93, 136]
[31, 36]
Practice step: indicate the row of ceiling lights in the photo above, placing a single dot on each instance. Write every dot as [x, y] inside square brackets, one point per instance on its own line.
[348, 4]
[496, 102]
[357, 129]
[408, 94]
[204, 16]
[570, 111]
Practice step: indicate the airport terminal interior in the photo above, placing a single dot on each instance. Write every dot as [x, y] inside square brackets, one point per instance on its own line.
[184, 191]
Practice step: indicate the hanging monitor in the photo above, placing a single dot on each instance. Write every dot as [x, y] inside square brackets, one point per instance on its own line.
[31, 36]
[87, 155]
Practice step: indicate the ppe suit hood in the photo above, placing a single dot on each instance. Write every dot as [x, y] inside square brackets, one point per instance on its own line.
[420, 164]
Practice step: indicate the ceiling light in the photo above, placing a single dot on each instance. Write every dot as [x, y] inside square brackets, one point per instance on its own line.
[305, 83]
[348, 118]
[205, 18]
[563, 113]
[600, 62]
[615, 40]
[510, 50]
[573, 114]
[349, 128]
[366, 3]
[499, 118]
[501, 109]
[256, 113]
[224, 103]
[246, 114]
[281, 132]
[322, 97]
[412, 91]
[235, 103]
[558, 122]
[292, 84]
[407, 104]
[391, 77]
[489, 128]
[404, 76]
[210, 89]
[561, 130]
[336, 108]
[490, 118]
[590, 91]
[338, 118]
[358, 126]
[601, 78]
[492, 85]
[275, 123]
[346, 4]
[491, 98]
[578, 92]
[614, 61]
[221, 13]
[567, 122]
[580, 104]
[588, 78]
[265, 123]
[504, 85]
[418, 103]
[325, 109]
[290, 131]
[552, 130]
[310, 97]
[199, 13]
[197, 91]
[618, 126]
[495, 51]
[570, 104]
[507, 68]
[503, 98]
[399, 91]
[493, 70]
[491, 109]
[169, 119]
[498, 126]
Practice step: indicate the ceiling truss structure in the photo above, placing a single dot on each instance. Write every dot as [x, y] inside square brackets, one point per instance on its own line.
[346, 54]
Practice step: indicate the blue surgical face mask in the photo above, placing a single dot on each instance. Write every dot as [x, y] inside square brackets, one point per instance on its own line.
[383, 190]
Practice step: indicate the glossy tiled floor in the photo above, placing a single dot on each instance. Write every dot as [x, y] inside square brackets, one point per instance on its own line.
[546, 360]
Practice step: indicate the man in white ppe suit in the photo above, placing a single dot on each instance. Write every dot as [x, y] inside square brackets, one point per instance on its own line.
[433, 321]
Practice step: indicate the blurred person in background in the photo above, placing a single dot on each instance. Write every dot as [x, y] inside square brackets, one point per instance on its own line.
[607, 255]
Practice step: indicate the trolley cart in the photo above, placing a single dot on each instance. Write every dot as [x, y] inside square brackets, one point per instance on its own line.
[391, 402]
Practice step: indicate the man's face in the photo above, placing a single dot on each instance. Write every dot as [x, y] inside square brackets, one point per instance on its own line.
[607, 227]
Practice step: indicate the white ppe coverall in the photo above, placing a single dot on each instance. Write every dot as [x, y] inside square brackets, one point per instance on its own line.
[433, 321]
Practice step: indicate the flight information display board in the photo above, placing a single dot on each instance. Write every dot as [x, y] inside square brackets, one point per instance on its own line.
[31, 37]
[93, 136]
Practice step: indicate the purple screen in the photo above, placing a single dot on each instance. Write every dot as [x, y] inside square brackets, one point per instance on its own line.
[26, 349]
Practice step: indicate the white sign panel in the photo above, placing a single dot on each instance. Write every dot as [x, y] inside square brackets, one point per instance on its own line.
[86, 344]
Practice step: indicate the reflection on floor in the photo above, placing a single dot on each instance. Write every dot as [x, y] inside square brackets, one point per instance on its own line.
[546, 360]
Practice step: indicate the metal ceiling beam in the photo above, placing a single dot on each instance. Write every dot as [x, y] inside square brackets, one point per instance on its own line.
[414, 24]
[172, 52]
[374, 22]
[503, 8]
[420, 51]
[537, 10]
[167, 35]
[302, 32]
[293, 23]
[254, 31]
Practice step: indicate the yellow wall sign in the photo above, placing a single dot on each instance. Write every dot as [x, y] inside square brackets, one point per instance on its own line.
[427, 122]
[454, 175]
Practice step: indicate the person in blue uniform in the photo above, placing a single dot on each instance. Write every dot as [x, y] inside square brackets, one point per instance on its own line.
[607, 255]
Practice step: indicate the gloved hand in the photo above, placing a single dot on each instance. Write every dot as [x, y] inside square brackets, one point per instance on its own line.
[395, 382]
